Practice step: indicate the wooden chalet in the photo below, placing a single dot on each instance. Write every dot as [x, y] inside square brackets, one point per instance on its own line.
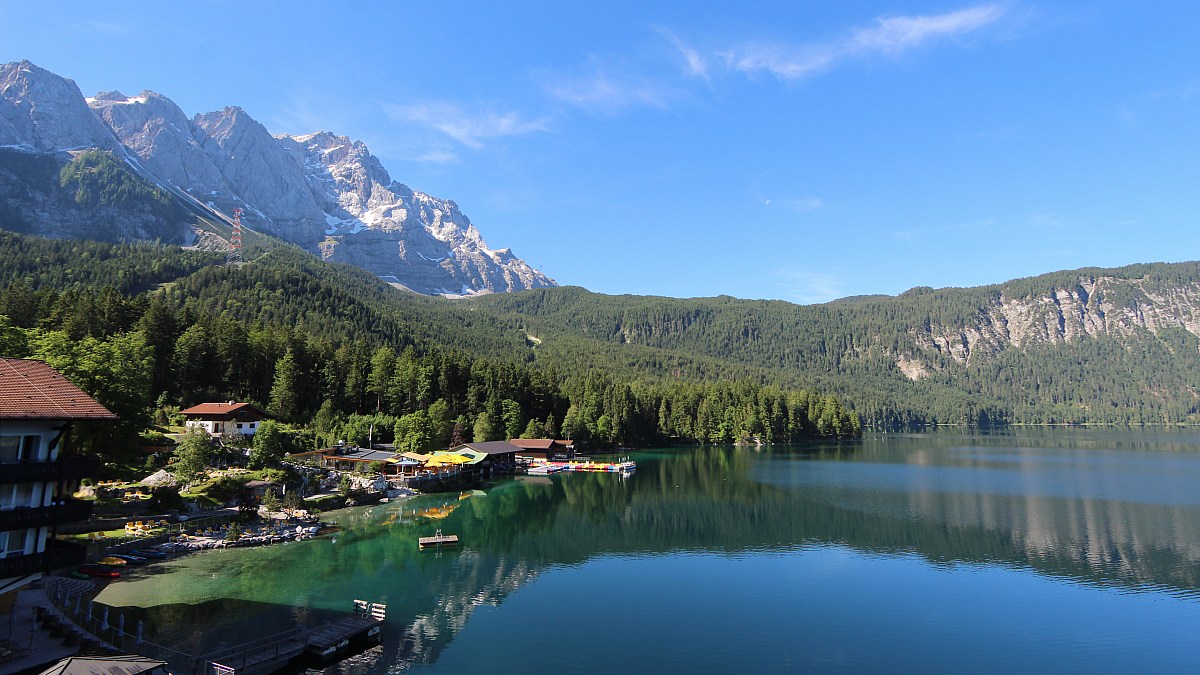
[221, 418]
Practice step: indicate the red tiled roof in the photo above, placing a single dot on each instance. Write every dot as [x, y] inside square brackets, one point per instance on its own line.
[32, 390]
[219, 411]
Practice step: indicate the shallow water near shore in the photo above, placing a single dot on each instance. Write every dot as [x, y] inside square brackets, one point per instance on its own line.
[1063, 550]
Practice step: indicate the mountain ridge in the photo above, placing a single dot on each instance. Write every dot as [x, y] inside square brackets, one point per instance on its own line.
[321, 191]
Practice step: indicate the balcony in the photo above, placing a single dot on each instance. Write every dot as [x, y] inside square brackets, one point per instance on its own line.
[66, 468]
[58, 554]
[70, 511]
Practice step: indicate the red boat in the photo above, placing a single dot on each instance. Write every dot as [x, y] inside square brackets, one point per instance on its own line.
[101, 571]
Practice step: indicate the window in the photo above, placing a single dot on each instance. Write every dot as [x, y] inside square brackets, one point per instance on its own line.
[31, 447]
[10, 449]
[12, 543]
[15, 496]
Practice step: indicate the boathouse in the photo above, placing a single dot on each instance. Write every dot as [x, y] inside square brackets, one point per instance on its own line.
[547, 449]
[501, 455]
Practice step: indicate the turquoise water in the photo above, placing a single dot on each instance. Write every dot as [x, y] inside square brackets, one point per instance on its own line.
[1052, 550]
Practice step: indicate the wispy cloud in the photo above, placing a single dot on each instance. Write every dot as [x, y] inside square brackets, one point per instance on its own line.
[808, 287]
[898, 34]
[696, 63]
[469, 128]
[1130, 113]
[803, 204]
[606, 91]
[890, 36]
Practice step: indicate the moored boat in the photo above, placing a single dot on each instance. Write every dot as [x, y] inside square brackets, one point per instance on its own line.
[100, 571]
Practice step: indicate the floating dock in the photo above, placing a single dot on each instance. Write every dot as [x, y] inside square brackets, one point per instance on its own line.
[545, 468]
[438, 540]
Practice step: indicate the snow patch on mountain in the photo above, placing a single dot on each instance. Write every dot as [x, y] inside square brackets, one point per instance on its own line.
[321, 191]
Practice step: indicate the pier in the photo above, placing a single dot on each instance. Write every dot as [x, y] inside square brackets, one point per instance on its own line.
[320, 646]
[438, 540]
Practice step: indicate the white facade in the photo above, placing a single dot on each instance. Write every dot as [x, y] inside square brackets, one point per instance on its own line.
[25, 442]
[217, 428]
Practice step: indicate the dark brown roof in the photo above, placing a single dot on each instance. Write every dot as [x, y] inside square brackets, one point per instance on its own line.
[32, 390]
[223, 411]
[532, 443]
[490, 447]
[538, 443]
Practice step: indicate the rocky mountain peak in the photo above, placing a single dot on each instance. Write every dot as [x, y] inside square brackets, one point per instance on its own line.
[47, 113]
[322, 191]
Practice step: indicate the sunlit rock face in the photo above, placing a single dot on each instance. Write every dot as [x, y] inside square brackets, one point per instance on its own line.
[321, 191]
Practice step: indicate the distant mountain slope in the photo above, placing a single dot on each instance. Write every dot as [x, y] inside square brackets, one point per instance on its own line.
[320, 191]
[1089, 345]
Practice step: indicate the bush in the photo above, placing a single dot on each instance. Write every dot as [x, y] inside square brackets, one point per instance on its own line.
[165, 499]
[227, 488]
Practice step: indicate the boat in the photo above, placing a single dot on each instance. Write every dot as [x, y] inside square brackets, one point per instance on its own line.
[602, 467]
[150, 555]
[100, 571]
[112, 560]
[545, 469]
[130, 559]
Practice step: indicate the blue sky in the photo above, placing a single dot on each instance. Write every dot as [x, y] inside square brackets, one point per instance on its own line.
[802, 151]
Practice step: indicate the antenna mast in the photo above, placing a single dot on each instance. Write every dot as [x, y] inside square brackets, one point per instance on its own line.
[235, 239]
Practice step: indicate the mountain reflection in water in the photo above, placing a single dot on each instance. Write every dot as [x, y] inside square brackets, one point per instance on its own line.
[1105, 510]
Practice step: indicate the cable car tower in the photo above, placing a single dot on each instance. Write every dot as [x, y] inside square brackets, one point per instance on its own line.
[235, 239]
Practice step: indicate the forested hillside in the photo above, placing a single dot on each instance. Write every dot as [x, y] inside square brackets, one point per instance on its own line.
[1086, 346]
[313, 340]
[332, 349]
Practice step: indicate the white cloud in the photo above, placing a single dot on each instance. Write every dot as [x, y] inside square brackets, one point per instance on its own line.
[784, 62]
[470, 129]
[697, 65]
[891, 36]
[900, 33]
[804, 204]
[606, 92]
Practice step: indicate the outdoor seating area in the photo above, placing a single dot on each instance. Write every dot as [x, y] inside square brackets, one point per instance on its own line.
[145, 528]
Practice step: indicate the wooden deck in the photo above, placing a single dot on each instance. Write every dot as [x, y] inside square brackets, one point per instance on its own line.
[332, 639]
[438, 540]
[327, 643]
[265, 655]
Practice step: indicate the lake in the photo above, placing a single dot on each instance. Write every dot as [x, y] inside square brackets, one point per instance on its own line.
[1048, 550]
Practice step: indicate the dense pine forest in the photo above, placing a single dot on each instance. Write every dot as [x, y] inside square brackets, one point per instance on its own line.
[338, 354]
[1141, 366]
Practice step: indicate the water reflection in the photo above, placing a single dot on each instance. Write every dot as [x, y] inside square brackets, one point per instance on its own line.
[1110, 509]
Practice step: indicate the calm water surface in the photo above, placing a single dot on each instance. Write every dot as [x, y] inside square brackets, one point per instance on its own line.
[1039, 550]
